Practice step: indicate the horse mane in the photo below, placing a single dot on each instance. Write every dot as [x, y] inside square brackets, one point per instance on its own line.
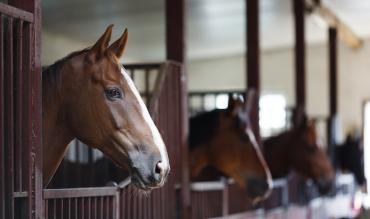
[51, 76]
[203, 127]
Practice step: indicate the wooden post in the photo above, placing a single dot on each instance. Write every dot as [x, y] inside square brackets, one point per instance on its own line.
[253, 60]
[333, 71]
[333, 94]
[176, 51]
[300, 54]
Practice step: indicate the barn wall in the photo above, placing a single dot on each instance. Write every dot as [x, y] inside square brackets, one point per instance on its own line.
[277, 77]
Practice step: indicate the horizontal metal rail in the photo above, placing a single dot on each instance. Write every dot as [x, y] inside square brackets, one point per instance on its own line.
[79, 192]
[16, 12]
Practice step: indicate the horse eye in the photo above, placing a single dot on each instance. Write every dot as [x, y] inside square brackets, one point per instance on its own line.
[113, 93]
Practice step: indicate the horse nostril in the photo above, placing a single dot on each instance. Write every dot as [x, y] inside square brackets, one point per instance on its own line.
[158, 168]
[158, 171]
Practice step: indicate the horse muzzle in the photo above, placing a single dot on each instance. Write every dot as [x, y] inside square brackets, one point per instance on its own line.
[258, 188]
[148, 171]
[325, 186]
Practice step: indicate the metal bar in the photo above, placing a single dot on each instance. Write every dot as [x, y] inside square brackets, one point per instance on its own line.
[18, 105]
[20, 194]
[76, 207]
[300, 53]
[89, 207]
[79, 192]
[69, 208]
[82, 208]
[225, 198]
[9, 120]
[46, 209]
[55, 208]
[16, 12]
[253, 60]
[35, 110]
[26, 69]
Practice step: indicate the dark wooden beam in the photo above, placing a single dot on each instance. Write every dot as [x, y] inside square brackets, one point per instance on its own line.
[175, 30]
[176, 51]
[253, 59]
[300, 53]
[333, 81]
[333, 92]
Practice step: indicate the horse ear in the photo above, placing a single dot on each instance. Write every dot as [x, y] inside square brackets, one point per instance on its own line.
[118, 47]
[103, 42]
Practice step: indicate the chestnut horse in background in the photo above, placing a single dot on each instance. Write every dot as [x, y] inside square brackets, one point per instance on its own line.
[89, 96]
[299, 149]
[223, 139]
[349, 157]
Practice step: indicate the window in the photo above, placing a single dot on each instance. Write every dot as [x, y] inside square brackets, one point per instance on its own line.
[273, 115]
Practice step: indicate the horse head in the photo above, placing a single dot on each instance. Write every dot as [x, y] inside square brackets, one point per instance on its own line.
[308, 157]
[99, 104]
[230, 146]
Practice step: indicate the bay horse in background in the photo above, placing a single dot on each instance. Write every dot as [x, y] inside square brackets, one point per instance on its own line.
[298, 149]
[349, 156]
[223, 139]
[89, 96]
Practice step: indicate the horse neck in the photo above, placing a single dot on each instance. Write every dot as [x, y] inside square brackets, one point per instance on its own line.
[56, 135]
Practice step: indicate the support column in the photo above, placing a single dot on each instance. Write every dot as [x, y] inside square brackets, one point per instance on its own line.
[300, 53]
[176, 51]
[333, 91]
[253, 59]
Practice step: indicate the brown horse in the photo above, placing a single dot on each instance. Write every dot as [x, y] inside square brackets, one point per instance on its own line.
[223, 139]
[299, 149]
[89, 96]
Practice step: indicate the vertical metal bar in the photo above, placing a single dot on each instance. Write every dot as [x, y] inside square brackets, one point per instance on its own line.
[18, 106]
[89, 207]
[83, 208]
[62, 208]
[69, 208]
[9, 120]
[101, 207]
[76, 207]
[55, 208]
[225, 198]
[95, 208]
[46, 209]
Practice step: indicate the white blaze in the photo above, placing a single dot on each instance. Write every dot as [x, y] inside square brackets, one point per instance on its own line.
[158, 141]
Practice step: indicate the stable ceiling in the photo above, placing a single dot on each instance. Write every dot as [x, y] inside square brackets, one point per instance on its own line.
[215, 27]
